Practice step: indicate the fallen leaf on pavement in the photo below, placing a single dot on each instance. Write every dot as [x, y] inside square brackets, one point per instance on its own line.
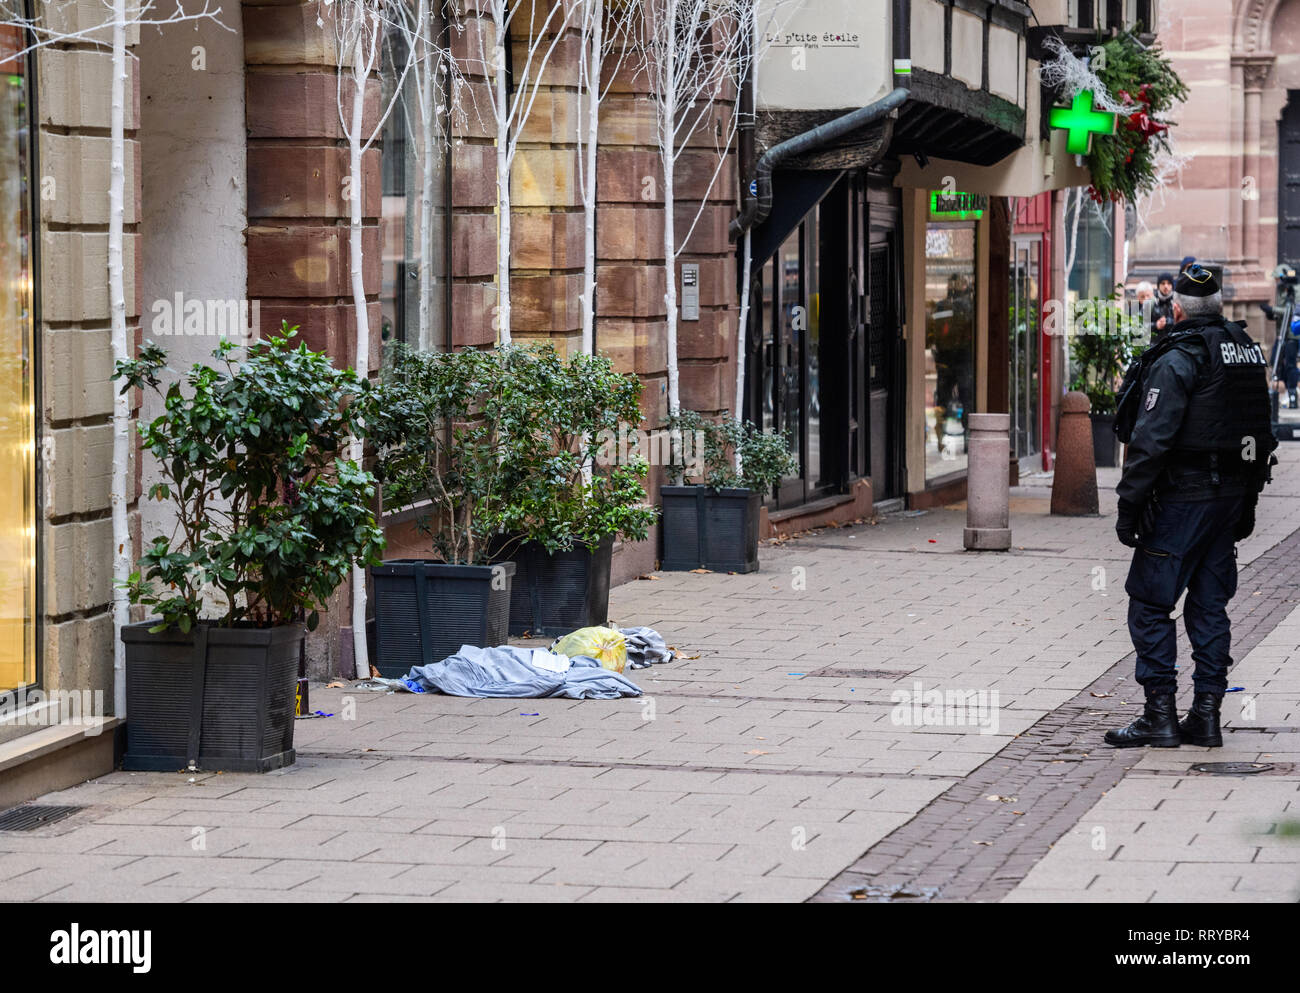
[338, 683]
[757, 751]
[702, 571]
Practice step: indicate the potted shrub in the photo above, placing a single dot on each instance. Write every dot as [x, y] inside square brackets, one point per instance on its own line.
[569, 500]
[1105, 340]
[269, 522]
[713, 523]
[438, 422]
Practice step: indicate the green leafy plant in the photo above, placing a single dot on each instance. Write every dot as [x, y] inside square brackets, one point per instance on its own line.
[1104, 341]
[765, 457]
[1140, 77]
[267, 512]
[437, 420]
[552, 413]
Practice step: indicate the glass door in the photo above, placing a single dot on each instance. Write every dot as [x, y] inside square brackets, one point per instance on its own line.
[789, 317]
[1026, 347]
[17, 366]
[787, 361]
[949, 346]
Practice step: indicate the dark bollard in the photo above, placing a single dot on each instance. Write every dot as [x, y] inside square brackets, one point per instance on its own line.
[1074, 485]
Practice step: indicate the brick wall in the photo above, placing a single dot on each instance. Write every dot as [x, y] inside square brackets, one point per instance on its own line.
[298, 215]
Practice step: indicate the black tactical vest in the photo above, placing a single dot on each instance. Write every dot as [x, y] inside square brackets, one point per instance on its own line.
[1229, 402]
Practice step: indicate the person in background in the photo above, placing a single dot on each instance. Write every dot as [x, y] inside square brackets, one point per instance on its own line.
[1162, 307]
[1287, 373]
[1143, 294]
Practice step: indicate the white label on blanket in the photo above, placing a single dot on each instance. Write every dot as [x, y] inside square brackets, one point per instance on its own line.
[550, 661]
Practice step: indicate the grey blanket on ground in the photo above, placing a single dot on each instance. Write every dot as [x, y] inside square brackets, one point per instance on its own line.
[507, 671]
[645, 647]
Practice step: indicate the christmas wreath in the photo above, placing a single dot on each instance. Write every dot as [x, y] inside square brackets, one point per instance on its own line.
[1136, 82]
[1143, 82]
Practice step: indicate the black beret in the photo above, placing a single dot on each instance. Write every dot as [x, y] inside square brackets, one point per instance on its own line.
[1196, 282]
[1166, 277]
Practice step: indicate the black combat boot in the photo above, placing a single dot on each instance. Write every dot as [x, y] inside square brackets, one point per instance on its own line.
[1201, 726]
[1158, 726]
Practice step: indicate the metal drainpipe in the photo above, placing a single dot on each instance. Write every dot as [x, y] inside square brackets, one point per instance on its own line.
[757, 208]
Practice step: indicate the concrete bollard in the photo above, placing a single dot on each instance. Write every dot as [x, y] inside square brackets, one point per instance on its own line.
[988, 493]
[1074, 484]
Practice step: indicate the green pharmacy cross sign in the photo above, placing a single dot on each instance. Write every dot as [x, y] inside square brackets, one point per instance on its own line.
[1082, 122]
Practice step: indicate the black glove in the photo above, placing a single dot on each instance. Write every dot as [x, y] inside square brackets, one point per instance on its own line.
[1268, 311]
[1245, 525]
[1126, 524]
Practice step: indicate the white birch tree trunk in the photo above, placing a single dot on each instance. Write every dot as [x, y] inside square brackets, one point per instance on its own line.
[589, 186]
[746, 257]
[503, 242]
[503, 188]
[362, 360]
[121, 353]
[427, 122]
[670, 299]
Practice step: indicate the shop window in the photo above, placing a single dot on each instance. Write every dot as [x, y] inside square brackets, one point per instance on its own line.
[949, 345]
[415, 296]
[17, 367]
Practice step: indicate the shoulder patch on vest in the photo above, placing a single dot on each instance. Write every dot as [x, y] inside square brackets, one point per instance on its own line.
[1153, 395]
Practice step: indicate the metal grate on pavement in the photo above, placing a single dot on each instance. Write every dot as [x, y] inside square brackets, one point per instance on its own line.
[31, 816]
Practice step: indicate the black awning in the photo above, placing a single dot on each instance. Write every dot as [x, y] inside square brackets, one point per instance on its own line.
[945, 119]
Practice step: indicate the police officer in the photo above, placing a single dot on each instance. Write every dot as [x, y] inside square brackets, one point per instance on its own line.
[1198, 456]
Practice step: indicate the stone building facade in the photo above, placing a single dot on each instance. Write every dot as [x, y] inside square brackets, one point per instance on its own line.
[1238, 203]
[239, 194]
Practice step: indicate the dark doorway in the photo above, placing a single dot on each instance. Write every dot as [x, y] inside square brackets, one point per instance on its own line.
[799, 341]
[824, 354]
[1288, 179]
[884, 365]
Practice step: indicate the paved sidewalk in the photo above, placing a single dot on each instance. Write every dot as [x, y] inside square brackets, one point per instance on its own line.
[777, 765]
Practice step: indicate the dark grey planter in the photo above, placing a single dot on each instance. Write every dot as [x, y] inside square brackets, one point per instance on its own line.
[424, 611]
[216, 698]
[555, 593]
[703, 528]
[1105, 445]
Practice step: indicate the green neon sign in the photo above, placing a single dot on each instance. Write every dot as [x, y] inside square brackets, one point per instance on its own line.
[954, 206]
[1082, 122]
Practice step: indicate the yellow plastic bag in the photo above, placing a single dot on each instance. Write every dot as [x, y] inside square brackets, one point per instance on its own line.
[606, 645]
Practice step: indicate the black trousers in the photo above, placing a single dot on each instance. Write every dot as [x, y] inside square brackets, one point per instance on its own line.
[1192, 550]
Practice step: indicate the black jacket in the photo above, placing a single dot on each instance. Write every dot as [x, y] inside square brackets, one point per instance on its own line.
[1162, 308]
[1150, 468]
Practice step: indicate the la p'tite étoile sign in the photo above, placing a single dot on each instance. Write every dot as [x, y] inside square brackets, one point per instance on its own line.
[822, 54]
